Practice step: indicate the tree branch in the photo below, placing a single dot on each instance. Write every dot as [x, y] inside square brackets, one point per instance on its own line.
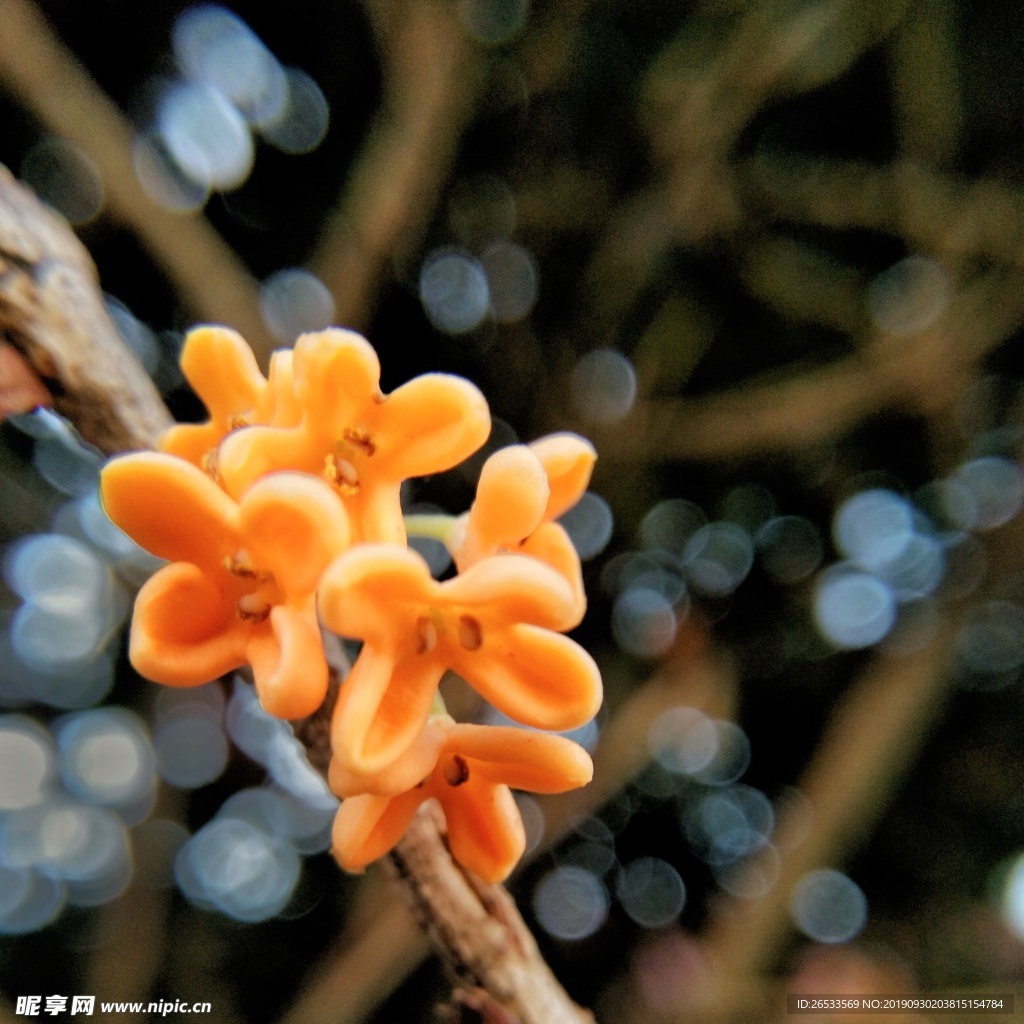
[52, 312]
[476, 928]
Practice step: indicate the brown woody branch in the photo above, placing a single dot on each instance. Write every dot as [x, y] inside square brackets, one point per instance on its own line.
[476, 928]
[52, 312]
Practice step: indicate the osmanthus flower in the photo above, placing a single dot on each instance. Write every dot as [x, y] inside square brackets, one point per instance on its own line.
[470, 770]
[223, 372]
[241, 585]
[497, 625]
[521, 492]
[363, 442]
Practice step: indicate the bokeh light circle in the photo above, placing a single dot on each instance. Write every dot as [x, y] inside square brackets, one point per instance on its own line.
[651, 892]
[570, 903]
[829, 907]
[853, 609]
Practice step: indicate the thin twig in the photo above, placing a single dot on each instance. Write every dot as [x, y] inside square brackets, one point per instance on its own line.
[922, 373]
[476, 927]
[695, 116]
[952, 218]
[49, 80]
[430, 90]
[699, 678]
[927, 104]
[360, 975]
[131, 933]
[871, 742]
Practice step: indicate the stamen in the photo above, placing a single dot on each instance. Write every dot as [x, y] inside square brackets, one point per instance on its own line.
[241, 564]
[360, 438]
[471, 634]
[456, 771]
[208, 464]
[252, 608]
[342, 474]
[236, 421]
[426, 635]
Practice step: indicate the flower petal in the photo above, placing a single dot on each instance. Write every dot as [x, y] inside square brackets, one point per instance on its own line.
[367, 827]
[248, 454]
[551, 544]
[485, 829]
[337, 375]
[185, 631]
[535, 676]
[293, 525]
[288, 663]
[362, 589]
[382, 707]
[406, 773]
[377, 513]
[429, 424]
[190, 441]
[279, 404]
[222, 370]
[523, 758]
[510, 500]
[569, 461]
[170, 507]
[511, 588]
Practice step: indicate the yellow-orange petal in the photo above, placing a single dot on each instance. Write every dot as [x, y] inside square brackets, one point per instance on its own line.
[377, 510]
[523, 758]
[511, 588]
[534, 676]
[279, 405]
[552, 545]
[184, 630]
[429, 424]
[511, 496]
[367, 827]
[337, 375]
[251, 453]
[222, 370]
[293, 525]
[382, 707]
[485, 829]
[191, 441]
[288, 664]
[170, 507]
[407, 772]
[569, 461]
[361, 586]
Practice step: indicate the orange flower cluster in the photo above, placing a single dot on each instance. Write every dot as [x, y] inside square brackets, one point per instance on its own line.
[282, 513]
